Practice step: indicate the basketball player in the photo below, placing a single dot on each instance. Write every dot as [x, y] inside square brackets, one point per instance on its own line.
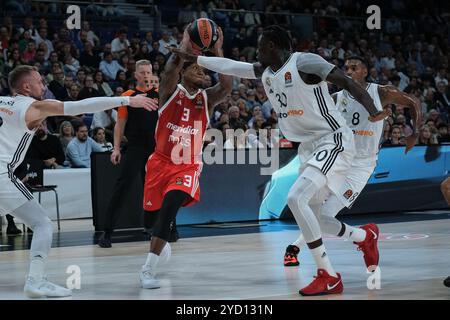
[296, 86]
[138, 125]
[445, 188]
[367, 141]
[20, 115]
[176, 164]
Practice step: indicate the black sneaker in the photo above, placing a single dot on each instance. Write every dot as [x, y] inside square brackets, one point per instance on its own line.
[29, 230]
[105, 240]
[290, 256]
[447, 282]
[13, 230]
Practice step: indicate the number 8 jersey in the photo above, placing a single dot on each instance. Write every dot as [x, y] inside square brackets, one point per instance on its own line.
[305, 112]
[367, 134]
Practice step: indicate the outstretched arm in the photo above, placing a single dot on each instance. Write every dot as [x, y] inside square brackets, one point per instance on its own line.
[338, 77]
[223, 65]
[219, 92]
[39, 110]
[391, 95]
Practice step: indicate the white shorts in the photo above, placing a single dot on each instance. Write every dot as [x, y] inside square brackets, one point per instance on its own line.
[332, 155]
[13, 193]
[355, 181]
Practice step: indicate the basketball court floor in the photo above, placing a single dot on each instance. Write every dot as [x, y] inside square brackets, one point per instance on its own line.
[242, 261]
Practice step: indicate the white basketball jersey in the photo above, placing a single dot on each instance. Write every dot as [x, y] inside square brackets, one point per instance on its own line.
[15, 137]
[367, 134]
[305, 112]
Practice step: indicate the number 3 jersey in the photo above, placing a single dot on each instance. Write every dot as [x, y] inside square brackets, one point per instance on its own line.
[182, 125]
[305, 112]
[367, 134]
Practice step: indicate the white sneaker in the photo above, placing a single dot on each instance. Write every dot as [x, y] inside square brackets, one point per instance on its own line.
[165, 254]
[44, 288]
[148, 279]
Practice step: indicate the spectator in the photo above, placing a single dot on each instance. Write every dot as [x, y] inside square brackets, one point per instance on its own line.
[88, 90]
[395, 137]
[260, 93]
[120, 45]
[71, 65]
[243, 111]
[30, 52]
[236, 122]
[143, 53]
[66, 134]
[426, 137]
[88, 58]
[56, 86]
[251, 99]
[81, 76]
[99, 136]
[91, 36]
[256, 111]
[166, 40]
[101, 86]
[105, 120]
[406, 128]
[46, 147]
[41, 36]
[74, 91]
[155, 50]
[443, 133]
[110, 67]
[80, 148]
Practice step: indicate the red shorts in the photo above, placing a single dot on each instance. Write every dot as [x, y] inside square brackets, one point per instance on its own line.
[163, 176]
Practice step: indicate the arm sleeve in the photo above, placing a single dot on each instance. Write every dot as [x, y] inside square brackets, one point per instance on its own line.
[314, 64]
[93, 105]
[228, 67]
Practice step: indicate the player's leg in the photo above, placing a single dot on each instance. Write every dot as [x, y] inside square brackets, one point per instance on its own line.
[173, 200]
[131, 168]
[293, 250]
[150, 219]
[34, 216]
[445, 188]
[307, 185]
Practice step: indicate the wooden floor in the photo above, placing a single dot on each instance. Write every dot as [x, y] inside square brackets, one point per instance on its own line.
[415, 258]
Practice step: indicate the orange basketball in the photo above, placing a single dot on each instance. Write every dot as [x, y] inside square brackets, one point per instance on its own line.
[203, 33]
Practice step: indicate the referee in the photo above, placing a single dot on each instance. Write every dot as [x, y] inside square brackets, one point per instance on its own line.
[138, 126]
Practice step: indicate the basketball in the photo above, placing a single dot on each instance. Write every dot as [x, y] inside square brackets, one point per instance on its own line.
[204, 34]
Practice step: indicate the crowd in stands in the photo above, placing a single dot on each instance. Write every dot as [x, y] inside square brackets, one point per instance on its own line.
[78, 64]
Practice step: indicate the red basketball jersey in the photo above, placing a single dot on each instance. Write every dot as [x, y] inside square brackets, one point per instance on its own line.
[181, 126]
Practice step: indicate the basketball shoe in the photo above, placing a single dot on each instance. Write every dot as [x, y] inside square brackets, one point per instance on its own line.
[369, 246]
[323, 284]
[148, 279]
[290, 256]
[44, 288]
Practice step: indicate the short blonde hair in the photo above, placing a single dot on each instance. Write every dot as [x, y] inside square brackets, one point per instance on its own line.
[143, 62]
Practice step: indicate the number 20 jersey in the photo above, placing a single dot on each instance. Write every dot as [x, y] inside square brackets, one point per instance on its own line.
[367, 134]
[305, 112]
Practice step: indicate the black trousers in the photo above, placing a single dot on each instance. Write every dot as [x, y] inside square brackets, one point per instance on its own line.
[133, 165]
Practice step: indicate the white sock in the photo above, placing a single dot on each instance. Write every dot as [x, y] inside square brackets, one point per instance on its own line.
[37, 268]
[322, 260]
[354, 234]
[152, 261]
[300, 242]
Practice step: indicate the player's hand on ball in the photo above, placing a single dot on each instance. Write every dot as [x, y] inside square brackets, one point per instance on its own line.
[141, 101]
[116, 156]
[218, 51]
[183, 54]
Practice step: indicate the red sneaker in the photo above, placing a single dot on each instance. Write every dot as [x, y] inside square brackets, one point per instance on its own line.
[369, 246]
[290, 256]
[323, 284]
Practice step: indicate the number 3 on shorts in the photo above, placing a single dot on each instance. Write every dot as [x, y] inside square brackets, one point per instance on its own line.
[188, 181]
